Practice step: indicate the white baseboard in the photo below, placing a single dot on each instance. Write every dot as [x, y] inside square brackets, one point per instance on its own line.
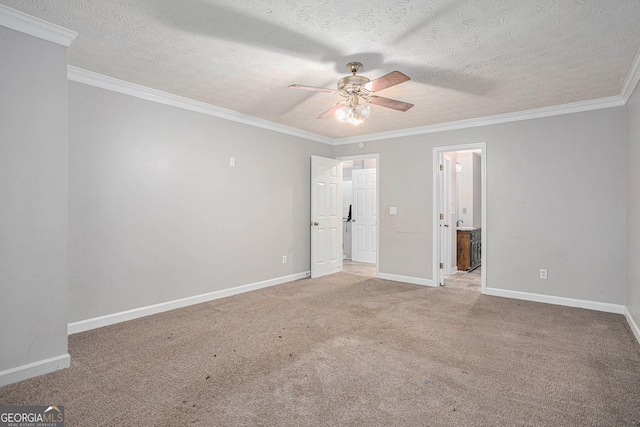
[406, 279]
[123, 316]
[550, 299]
[632, 324]
[34, 369]
[453, 271]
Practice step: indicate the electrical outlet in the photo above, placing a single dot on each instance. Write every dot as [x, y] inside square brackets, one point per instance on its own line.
[284, 259]
[393, 210]
[543, 273]
[232, 161]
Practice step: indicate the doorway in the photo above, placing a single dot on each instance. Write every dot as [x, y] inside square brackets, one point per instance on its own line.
[460, 220]
[360, 214]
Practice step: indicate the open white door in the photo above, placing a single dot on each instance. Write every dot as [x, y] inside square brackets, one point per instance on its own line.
[442, 220]
[363, 212]
[448, 217]
[326, 216]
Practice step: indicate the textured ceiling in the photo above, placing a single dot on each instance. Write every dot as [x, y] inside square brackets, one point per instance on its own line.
[466, 59]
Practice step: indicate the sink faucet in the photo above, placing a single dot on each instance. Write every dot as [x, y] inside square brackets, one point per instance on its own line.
[458, 223]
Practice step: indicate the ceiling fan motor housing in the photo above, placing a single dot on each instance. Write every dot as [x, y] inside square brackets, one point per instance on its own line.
[354, 81]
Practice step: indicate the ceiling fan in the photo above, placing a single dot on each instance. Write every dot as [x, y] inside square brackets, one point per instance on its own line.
[359, 88]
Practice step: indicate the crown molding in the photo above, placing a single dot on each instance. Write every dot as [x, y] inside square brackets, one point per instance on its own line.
[109, 83]
[99, 80]
[36, 27]
[555, 110]
[632, 79]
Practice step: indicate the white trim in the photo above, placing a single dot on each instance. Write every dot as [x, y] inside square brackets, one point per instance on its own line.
[98, 80]
[632, 79]
[435, 215]
[36, 27]
[123, 316]
[550, 299]
[632, 324]
[34, 369]
[406, 279]
[109, 83]
[483, 220]
[454, 270]
[375, 156]
[554, 110]
[482, 146]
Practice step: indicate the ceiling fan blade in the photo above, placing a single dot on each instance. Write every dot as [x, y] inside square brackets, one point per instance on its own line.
[335, 107]
[388, 80]
[312, 88]
[390, 103]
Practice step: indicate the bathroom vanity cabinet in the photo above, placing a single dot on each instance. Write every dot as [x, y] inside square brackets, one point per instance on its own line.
[469, 249]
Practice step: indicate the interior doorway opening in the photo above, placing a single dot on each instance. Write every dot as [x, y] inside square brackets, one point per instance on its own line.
[460, 216]
[360, 214]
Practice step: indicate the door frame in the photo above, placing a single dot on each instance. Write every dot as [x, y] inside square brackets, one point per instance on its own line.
[377, 157]
[437, 153]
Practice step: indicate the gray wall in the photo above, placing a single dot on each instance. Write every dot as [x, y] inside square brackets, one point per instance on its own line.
[466, 187]
[555, 200]
[469, 194]
[33, 199]
[633, 206]
[156, 213]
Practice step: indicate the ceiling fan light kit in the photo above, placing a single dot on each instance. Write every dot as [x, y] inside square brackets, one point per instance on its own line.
[353, 115]
[355, 88]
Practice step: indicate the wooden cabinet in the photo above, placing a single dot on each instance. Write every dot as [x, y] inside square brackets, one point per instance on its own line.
[469, 249]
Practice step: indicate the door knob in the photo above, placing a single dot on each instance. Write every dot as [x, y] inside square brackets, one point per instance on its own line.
[446, 225]
[314, 223]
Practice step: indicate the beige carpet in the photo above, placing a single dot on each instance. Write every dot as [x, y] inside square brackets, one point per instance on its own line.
[348, 350]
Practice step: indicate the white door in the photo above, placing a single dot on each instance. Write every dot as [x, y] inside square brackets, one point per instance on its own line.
[363, 212]
[446, 208]
[445, 230]
[442, 220]
[326, 216]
